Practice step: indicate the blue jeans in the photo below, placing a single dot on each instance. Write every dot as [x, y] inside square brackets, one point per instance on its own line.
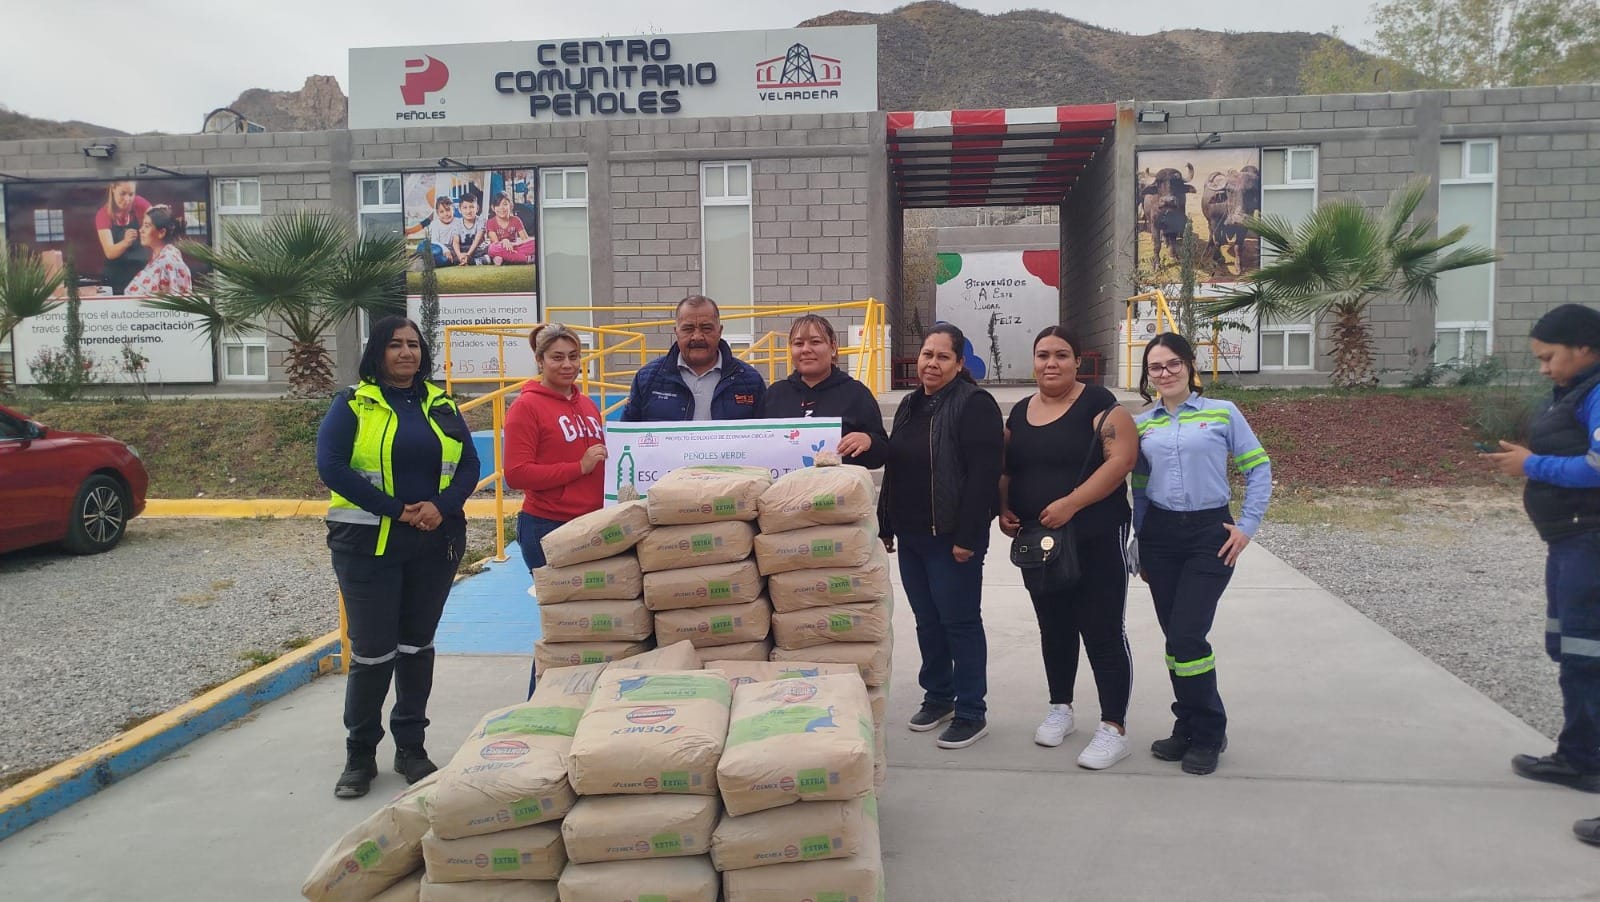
[1572, 638]
[530, 530]
[946, 598]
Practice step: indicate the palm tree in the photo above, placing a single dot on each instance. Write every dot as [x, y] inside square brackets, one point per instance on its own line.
[1340, 260]
[26, 284]
[296, 276]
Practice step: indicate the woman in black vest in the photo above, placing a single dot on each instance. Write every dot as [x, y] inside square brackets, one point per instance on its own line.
[1069, 450]
[940, 493]
[1562, 498]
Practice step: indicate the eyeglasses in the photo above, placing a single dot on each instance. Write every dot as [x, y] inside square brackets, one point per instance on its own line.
[1173, 367]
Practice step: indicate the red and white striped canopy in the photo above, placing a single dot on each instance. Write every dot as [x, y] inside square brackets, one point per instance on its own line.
[965, 158]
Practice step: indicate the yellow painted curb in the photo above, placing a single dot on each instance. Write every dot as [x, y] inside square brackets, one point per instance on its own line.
[279, 508]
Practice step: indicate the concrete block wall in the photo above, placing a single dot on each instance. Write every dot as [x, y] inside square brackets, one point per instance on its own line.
[1096, 253]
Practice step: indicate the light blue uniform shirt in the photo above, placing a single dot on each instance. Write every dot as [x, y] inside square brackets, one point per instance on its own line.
[1183, 461]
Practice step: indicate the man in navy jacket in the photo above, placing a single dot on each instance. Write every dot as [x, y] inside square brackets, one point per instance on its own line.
[699, 379]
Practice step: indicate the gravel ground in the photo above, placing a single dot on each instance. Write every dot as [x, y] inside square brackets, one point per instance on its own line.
[93, 645]
[1456, 574]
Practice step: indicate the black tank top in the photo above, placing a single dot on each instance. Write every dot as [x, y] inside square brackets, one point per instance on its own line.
[1044, 462]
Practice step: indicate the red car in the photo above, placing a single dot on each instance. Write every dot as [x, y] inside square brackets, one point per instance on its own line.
[69, 487]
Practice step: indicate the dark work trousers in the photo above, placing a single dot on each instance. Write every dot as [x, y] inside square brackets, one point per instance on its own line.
[392, 604]
[946, 598]
[1094, 609]
[1572, 637]
[1178, 552]
[531, 531]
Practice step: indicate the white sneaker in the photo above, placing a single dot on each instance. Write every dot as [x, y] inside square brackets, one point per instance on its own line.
[1106, 748]
[1057, 726]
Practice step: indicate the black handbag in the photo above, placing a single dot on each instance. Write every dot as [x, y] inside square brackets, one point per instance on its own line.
[1048, 558]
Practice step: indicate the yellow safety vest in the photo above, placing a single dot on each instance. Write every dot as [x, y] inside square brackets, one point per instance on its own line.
[372, 457]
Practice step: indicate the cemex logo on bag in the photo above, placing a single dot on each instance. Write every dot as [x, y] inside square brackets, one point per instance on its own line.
[423, 77]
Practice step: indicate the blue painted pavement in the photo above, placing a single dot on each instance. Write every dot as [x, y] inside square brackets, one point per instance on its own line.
[491, 612]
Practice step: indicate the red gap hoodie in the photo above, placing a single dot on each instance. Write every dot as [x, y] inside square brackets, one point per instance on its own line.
[546, 435]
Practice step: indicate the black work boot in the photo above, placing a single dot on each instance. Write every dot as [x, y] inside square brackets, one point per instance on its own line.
[1555, 769]
[413, 764]
[1588, 830]
[360, 768]
[1173, 747]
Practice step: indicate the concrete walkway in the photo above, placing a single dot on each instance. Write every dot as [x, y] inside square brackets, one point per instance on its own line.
[1357, 770]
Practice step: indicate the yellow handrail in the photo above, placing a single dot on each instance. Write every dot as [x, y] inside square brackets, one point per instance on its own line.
[1164, 312]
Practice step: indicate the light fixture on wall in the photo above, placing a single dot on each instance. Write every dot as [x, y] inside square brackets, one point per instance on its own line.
[100, 151]
[1212, 138]
[448, 163]
[147, 168]
[1152, 117]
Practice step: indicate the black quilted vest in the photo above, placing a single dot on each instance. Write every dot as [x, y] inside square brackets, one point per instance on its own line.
[1558, 431]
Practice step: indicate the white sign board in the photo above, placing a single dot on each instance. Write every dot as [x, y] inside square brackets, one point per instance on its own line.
[476, 354]
[642, 453]
[731, 73]
[1001, 300]
[176, 345]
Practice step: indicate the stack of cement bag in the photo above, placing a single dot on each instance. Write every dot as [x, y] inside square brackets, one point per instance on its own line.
[700, 580]
[590, 593]
[796, 780]
[829, 578]
[644, 763]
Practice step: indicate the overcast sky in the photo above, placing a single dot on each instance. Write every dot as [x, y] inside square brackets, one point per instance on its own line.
[140, 65]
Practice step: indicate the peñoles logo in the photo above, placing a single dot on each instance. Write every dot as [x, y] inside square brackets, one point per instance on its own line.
[799, 75]
[423, 77]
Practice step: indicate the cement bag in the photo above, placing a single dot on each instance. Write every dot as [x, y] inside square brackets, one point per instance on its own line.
[606, 532]
[816, 496]
[872, 658]
[764, 671]
[832, 585]
[723, 624]
[696, 587]
[677, 656]
[687, 879]
[848, 545]
[491, 891]
[527, 853]
[792, 833]
[707, 494]
[880, 756]
[797, 740]
[613, 577]
[625, 828]
[547, 655]
[692, 545]
[859, 877]
[512, 769]
[409, 889]
[586, 621]
[749, 652]
[378, 852]
[868, 622]
[652, 731]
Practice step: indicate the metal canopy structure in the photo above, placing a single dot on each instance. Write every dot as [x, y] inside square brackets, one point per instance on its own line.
[1005, 157]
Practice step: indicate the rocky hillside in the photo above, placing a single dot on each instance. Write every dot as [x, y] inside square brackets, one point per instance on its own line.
[319, 104]
[14, 125]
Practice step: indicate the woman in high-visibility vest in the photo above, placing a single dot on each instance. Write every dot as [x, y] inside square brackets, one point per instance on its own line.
[399, 460]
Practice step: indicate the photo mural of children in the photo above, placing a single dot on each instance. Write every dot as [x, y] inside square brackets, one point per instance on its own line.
[471, 239]
[117, 223]
[509, 241]
[479, 228]
[443, 230]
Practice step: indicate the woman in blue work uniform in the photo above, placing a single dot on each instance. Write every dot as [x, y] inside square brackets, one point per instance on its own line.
[1188, 541]
[400, 463]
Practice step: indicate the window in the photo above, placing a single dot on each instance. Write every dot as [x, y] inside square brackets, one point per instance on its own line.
[1464, 317]
[726, 233]
[238, 203]
[564, 243]
[378, 205]
[245, 359]
[1289, 190]
[2, 219]
[48, 226]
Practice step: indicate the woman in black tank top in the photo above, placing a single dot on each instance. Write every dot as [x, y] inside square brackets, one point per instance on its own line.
[1069, 450]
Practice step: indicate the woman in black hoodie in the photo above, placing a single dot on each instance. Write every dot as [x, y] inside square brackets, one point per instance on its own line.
[816, 387]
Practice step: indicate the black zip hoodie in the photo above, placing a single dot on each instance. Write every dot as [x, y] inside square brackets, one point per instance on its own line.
[836, 396]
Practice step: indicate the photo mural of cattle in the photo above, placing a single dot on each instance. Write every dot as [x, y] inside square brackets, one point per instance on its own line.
[1212, 190]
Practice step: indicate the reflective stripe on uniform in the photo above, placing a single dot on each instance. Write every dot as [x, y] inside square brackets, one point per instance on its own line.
[447, 469]
[1580, 648]
[1552, 625]
[1141, 480]
[353, 515]
[1192, 668]
[1251, 459]
[381, 659]
[413, 649]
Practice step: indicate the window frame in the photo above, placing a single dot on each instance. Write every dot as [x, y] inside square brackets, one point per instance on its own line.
[549, 201]
[246, 342]
[1307, 327]
[1467, 177]
[363, 209]
[746, 200]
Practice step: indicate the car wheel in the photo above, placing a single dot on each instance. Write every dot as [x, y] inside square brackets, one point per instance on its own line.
[99, 516]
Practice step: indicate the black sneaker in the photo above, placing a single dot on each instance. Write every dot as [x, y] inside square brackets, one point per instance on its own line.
[962, 732]
[1202, 759]
[1588, 831]
[1555, 769]
[930, 716]
[413, 764]
[1171, 748]
[359, 772]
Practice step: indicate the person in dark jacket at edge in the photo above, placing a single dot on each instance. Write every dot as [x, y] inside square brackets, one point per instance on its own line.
[1562, 498]
[400, 463]
[941, 490]
[816, 387]
[699, 379]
